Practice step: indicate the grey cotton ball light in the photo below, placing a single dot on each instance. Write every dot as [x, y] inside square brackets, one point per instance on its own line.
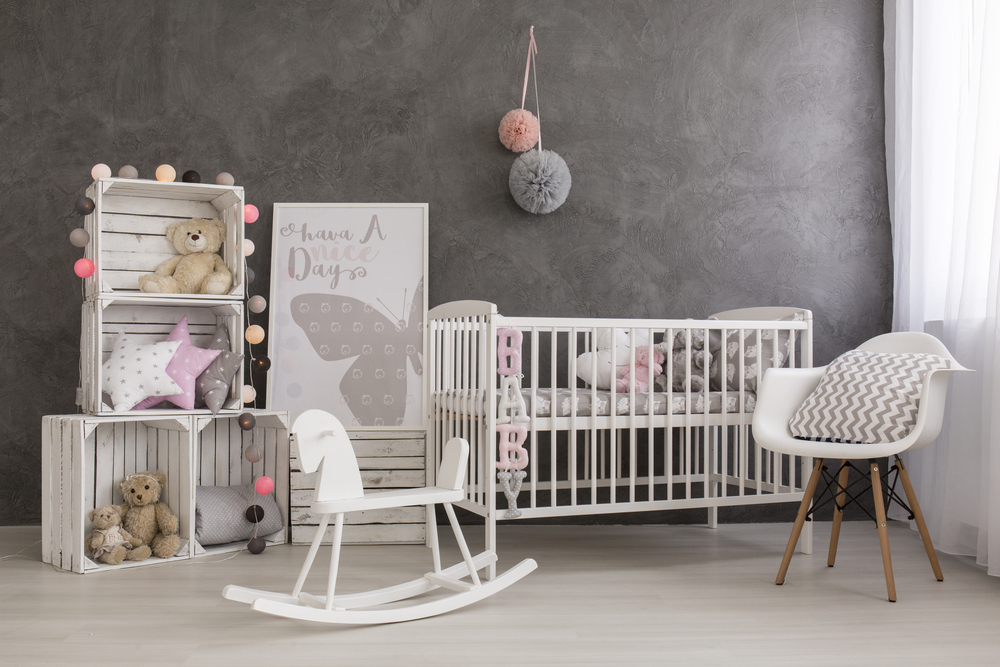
[540, 181]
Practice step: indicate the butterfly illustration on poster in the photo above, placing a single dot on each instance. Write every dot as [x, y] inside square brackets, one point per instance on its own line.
[348, 311]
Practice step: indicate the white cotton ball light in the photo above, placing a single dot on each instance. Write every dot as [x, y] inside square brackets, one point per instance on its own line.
[166, 173]
[100, 170]
[257, 304]
[540, 181]
[79, 237]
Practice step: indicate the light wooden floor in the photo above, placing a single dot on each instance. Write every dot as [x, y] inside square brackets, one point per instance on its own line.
[604, 595]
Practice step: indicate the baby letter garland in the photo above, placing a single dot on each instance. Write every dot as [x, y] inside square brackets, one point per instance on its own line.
[511, 419]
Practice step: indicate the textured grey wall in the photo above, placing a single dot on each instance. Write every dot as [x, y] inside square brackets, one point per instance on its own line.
[723, 153]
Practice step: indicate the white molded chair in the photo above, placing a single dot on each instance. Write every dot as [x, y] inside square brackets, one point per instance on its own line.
[323, 445]
[779, 396]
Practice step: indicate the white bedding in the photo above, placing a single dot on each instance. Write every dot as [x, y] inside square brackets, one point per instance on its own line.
[460, 402]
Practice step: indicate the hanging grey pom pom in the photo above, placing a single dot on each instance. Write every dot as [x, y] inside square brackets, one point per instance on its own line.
[540, 181]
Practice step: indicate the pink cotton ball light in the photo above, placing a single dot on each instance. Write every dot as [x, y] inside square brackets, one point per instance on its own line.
[519, 130]
[264, 485]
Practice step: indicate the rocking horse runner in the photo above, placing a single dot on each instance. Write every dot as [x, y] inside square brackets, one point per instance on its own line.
[323, 445]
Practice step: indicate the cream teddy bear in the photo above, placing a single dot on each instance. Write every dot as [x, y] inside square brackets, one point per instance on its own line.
[109, 542]
[198, 269]
[152, 522]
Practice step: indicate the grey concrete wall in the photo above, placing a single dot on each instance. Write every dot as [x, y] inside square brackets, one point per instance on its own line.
[724, 153]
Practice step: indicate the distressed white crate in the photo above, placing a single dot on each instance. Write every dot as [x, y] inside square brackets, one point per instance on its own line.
[388, 460]
[220, 460]
[83, 460]
[150, 319]
[130, 219]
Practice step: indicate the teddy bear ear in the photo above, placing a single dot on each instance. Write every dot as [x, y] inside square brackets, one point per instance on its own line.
[90, 516]
[171, 230]
[160, 478]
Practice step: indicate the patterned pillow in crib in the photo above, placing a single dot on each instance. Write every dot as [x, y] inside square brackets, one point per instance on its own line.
[754, 363]
[865, 397]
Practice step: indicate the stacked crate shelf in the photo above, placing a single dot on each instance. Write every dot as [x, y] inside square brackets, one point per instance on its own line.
[84, 456]
[128, 239]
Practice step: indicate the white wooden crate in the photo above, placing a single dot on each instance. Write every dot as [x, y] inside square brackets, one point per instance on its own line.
[84, 457]
[150, 319]
[128, 226]
[388, 460]
[220, 460]
[83, 460]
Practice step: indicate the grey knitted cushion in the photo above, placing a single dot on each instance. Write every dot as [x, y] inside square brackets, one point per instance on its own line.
[220, 514]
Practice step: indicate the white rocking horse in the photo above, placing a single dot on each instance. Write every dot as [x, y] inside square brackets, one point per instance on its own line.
[323, 445]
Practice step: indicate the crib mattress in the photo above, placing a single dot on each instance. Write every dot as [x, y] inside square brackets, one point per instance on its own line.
[460, 402]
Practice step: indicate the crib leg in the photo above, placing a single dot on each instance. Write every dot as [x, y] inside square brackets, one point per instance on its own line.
[713, 517]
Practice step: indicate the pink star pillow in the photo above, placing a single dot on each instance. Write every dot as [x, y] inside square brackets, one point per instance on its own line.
[188, 363]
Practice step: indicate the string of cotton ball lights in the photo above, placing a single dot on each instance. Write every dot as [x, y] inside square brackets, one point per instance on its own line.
[539, 179]
[254, 333]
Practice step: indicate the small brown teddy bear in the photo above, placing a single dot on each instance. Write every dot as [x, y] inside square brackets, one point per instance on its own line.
[198, 269]
[109, 542]
[147, 519]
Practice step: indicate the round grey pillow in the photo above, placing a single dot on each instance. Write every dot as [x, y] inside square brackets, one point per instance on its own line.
[540, 181]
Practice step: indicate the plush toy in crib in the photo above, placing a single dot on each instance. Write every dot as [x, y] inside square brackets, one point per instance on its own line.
[109, 542]
[693, 377]
[151, 521]
[604, 341]
[198, 269]
[641, 370]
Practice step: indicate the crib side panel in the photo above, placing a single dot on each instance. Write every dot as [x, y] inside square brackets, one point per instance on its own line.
[670, 434]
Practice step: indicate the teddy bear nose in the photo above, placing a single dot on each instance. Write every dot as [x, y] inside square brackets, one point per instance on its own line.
[139, 497]
[194, 237]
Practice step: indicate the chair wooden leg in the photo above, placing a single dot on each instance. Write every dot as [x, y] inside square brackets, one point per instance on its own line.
[918, 516]
[838, 512]
[883, 532]
[807, 498]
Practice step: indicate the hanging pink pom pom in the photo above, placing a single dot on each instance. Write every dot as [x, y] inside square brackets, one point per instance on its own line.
[519, 130]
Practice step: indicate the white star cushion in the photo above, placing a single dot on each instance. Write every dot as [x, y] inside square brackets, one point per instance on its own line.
[135, 371]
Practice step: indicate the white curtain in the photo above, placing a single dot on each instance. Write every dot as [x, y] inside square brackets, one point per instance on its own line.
[943, 161]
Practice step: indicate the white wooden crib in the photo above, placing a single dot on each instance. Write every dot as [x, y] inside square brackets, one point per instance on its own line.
[592, 459]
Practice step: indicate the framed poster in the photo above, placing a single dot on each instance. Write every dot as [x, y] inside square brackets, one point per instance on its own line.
[347, 312]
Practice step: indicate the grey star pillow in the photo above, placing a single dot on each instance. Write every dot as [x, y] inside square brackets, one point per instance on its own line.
[212, 388]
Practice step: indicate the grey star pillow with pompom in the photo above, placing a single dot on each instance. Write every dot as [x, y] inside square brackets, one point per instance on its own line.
[212, 387]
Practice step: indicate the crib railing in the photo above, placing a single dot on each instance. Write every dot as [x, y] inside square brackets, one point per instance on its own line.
[685, 443]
